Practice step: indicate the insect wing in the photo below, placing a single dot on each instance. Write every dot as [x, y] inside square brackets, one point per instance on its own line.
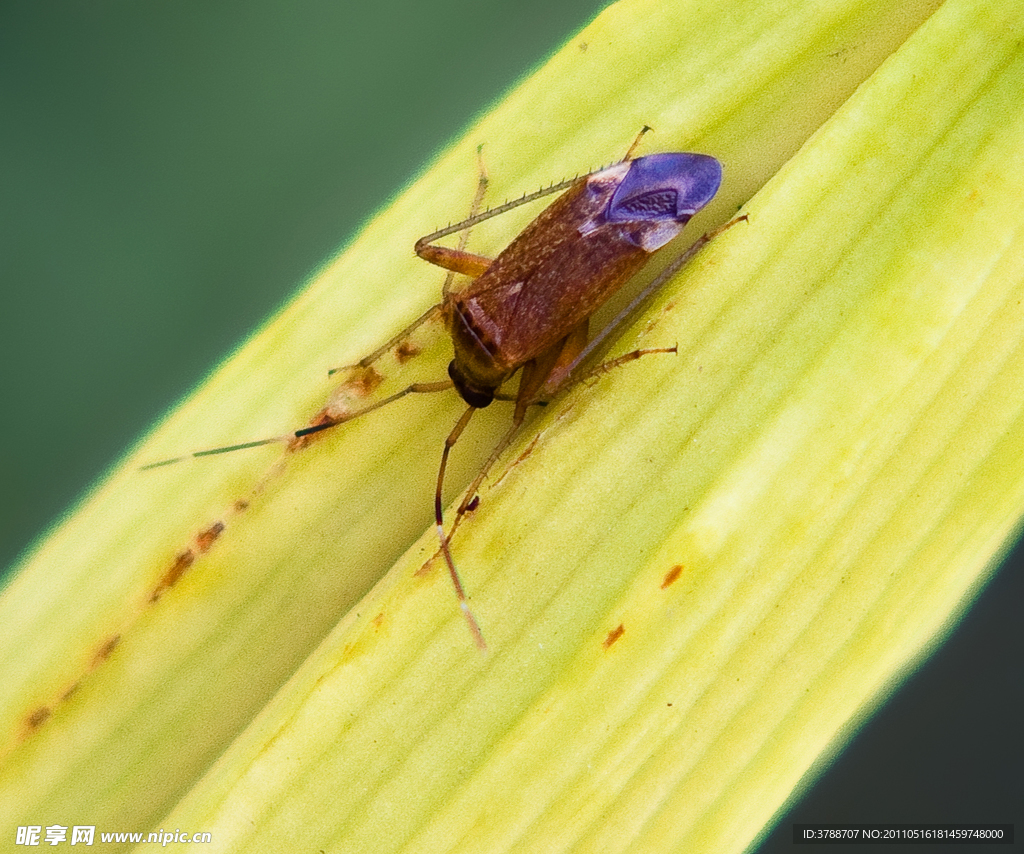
[662, 192]
[665, 186]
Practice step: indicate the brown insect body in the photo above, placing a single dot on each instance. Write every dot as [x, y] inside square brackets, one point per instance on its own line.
[539, 293]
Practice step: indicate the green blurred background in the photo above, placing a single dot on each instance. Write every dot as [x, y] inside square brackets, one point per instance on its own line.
[171, 172]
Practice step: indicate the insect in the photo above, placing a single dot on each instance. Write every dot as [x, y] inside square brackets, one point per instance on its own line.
[529, 308]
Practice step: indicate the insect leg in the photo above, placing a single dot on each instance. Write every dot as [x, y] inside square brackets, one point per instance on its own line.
[460, 593]
[425, 248]
[430, 314]
[458, 260]
[653, 287]
[636, 142]
[625, 358]
[533, 376]
[530, 384]
[434, 311]
[328, 422]
[428, 239]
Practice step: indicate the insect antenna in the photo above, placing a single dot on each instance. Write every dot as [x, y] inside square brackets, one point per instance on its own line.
[225, 449]
[326, 424]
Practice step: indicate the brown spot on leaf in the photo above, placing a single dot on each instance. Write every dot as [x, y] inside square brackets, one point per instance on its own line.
[180, 566]
[321, 419]
[363, 381]
[39, 717]
[205, 539]
[406, 351]
[203, 543]
[671, 576]
[526, 451]
[104, 651]
[614, 635]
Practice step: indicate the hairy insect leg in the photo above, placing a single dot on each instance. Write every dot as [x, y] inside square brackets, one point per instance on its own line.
[426, 248]
[472, 265]
[458, 260]
[624, 359]
[454, 260]
[434, 311]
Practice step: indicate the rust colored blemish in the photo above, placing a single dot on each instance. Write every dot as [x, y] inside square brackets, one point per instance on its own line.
[363, 382]
[671, 576]
[406, 351]
[205, 539]
[104, 651]
[323, 417]
[39, 717]
[428, 564]
[43, 713]
[181, 564]
[614, 635]
[527, 451]
[203, 543]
